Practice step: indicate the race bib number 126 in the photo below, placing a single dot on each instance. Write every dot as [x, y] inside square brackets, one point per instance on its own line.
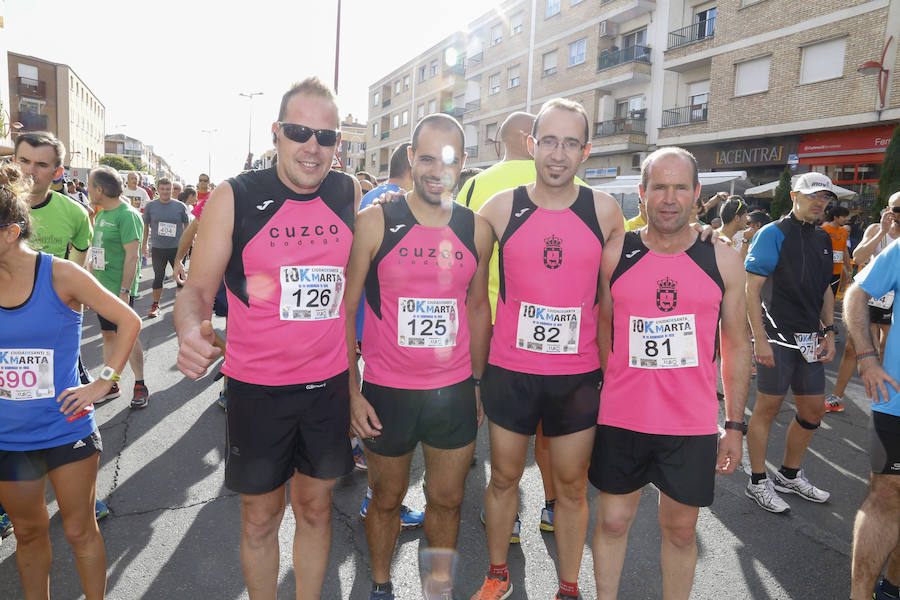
[311, 293]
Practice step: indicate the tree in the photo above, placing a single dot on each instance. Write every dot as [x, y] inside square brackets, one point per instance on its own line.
[889, 182]
[117, 162]
[782, 202]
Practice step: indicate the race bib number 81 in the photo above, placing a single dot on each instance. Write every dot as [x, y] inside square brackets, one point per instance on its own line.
[662, 343]
[548, 330]
[26, 374]
[427, 322]
[311, 293]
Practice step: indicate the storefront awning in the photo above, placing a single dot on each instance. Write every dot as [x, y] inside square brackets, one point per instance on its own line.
[767, 190]
[628, 184]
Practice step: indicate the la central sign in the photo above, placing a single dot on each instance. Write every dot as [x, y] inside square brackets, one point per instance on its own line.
[750, 156]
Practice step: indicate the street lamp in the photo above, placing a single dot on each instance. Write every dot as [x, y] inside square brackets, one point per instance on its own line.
[871, 67]
[250, 129]
[209, 133]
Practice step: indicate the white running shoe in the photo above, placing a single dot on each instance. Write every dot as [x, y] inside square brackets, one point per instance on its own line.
[800, 486]
[764, 494]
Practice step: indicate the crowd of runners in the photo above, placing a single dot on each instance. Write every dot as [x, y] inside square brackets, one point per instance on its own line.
[366, 319]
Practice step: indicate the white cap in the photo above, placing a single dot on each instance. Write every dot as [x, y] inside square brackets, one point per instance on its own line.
[810, 183]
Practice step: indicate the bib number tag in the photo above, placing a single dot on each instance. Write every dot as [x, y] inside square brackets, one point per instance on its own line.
[311, 293]
[26, 374]
[885, 302]
[837, 256]
[427, 322]
[548, 330]
[807, 343]
[166, 229]
[662, 343]
[98, 258]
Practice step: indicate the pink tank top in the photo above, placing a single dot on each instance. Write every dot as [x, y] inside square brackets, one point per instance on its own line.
[416, 333]
[285, 280]
[549, 272]
[661, 374]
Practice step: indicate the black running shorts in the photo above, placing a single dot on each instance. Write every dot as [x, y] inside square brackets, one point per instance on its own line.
[271, 431]
[444, 418]
[109, 325]
[28, 465]
[563, 404]
[885, 445]
[683, 467]
[790, 371]
[880, 316]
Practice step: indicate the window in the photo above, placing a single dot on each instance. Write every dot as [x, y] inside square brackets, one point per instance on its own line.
[397, 88]
[549, 63]
[513, 76]
[433, 68]
[751, 76]
[496, 34]
[552, 8]
[635, 38]
[576, 52]
[822, 60]
[420, 111]
[432, 107]
[395, 122]
[494, 83]
[375, 129]
[515, 23]
[404, 120]
[422, 70]
[405, 82]
[376, 99]
[374, 159]
[490, 133]
[698, 93]
[630, 108]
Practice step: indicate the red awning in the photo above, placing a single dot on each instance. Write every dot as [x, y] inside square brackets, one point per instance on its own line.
[843, 159]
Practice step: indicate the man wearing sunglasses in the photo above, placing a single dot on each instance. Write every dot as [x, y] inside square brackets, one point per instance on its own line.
[544, 363]
[281, 238]
[791, 311]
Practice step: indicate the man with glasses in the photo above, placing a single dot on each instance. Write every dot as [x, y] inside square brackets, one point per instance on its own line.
[203, 190]
[544, 363]
[733, 213]
[281, 238]
[791, 310]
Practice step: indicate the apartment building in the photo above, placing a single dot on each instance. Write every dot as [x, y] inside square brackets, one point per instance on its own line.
[352, 152]
[132, 149]
[50, 96]
[752, 85]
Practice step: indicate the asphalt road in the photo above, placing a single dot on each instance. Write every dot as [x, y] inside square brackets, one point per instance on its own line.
[174, 529]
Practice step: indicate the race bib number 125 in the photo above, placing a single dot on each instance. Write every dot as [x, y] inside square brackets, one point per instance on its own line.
[311, 293]
[427, 322]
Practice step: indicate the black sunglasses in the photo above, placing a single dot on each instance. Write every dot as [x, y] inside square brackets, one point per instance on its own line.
[895, 210]
[302, 133]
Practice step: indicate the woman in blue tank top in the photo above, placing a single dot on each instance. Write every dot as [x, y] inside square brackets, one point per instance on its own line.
[47, 428]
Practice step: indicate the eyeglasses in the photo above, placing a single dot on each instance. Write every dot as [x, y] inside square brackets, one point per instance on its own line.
[551, 143]
[21, 224]
[203, 181]
[896, 210]
[302, 133]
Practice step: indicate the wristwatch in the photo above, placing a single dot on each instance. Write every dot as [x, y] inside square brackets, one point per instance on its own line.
[828, 328]
[738, 425]
[124, 290]
[109, 374]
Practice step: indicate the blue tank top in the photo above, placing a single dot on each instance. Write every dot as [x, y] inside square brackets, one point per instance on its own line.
[39, 343]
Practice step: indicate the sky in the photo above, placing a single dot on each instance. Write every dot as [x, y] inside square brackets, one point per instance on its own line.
[167, 70]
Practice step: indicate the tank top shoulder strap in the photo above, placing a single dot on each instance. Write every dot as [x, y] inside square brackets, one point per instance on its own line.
[585, 209]
[336, 192]
[462, 224]
[633, 249]
[704, 254]
[522, 209]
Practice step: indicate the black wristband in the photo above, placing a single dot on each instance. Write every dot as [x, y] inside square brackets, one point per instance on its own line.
[828, 328]
[737, 425]
[476, 381]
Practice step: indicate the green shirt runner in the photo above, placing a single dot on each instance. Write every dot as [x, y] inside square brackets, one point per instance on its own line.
[112, 230]
[58, 222]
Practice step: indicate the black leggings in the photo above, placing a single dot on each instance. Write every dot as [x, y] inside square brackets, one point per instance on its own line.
[161, 257]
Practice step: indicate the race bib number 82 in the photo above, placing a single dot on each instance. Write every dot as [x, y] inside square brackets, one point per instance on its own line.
[548, 329]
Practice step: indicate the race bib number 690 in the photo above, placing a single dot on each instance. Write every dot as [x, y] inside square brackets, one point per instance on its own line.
[26, 374]
[311, 293]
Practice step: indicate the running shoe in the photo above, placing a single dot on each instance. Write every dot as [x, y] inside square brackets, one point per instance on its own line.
[834, 403]
[883, 594]
[6, 526]
[101, 511]
[112, 394]
[561, 596]
[409, 518]
[359, 458]
[221, 400]
[141, 398]
[494, 588]
[515, 536]
[764, 494]
[547, 516]
[154, 311]
[437, 590]
[801, 486]
[380, 595]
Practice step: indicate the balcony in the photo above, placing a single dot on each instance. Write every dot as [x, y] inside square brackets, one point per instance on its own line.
[385, 135]
[620, 125]
[476, 59]
[684, 115]
[473, 105]
[32, 121]
[459, 68]
[695, 32]
[608, 60]
[386, 103]
[31, 88]
[472, 151]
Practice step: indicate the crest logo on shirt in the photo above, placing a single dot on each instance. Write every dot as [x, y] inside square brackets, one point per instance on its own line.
[553, 254]
[666, 294]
